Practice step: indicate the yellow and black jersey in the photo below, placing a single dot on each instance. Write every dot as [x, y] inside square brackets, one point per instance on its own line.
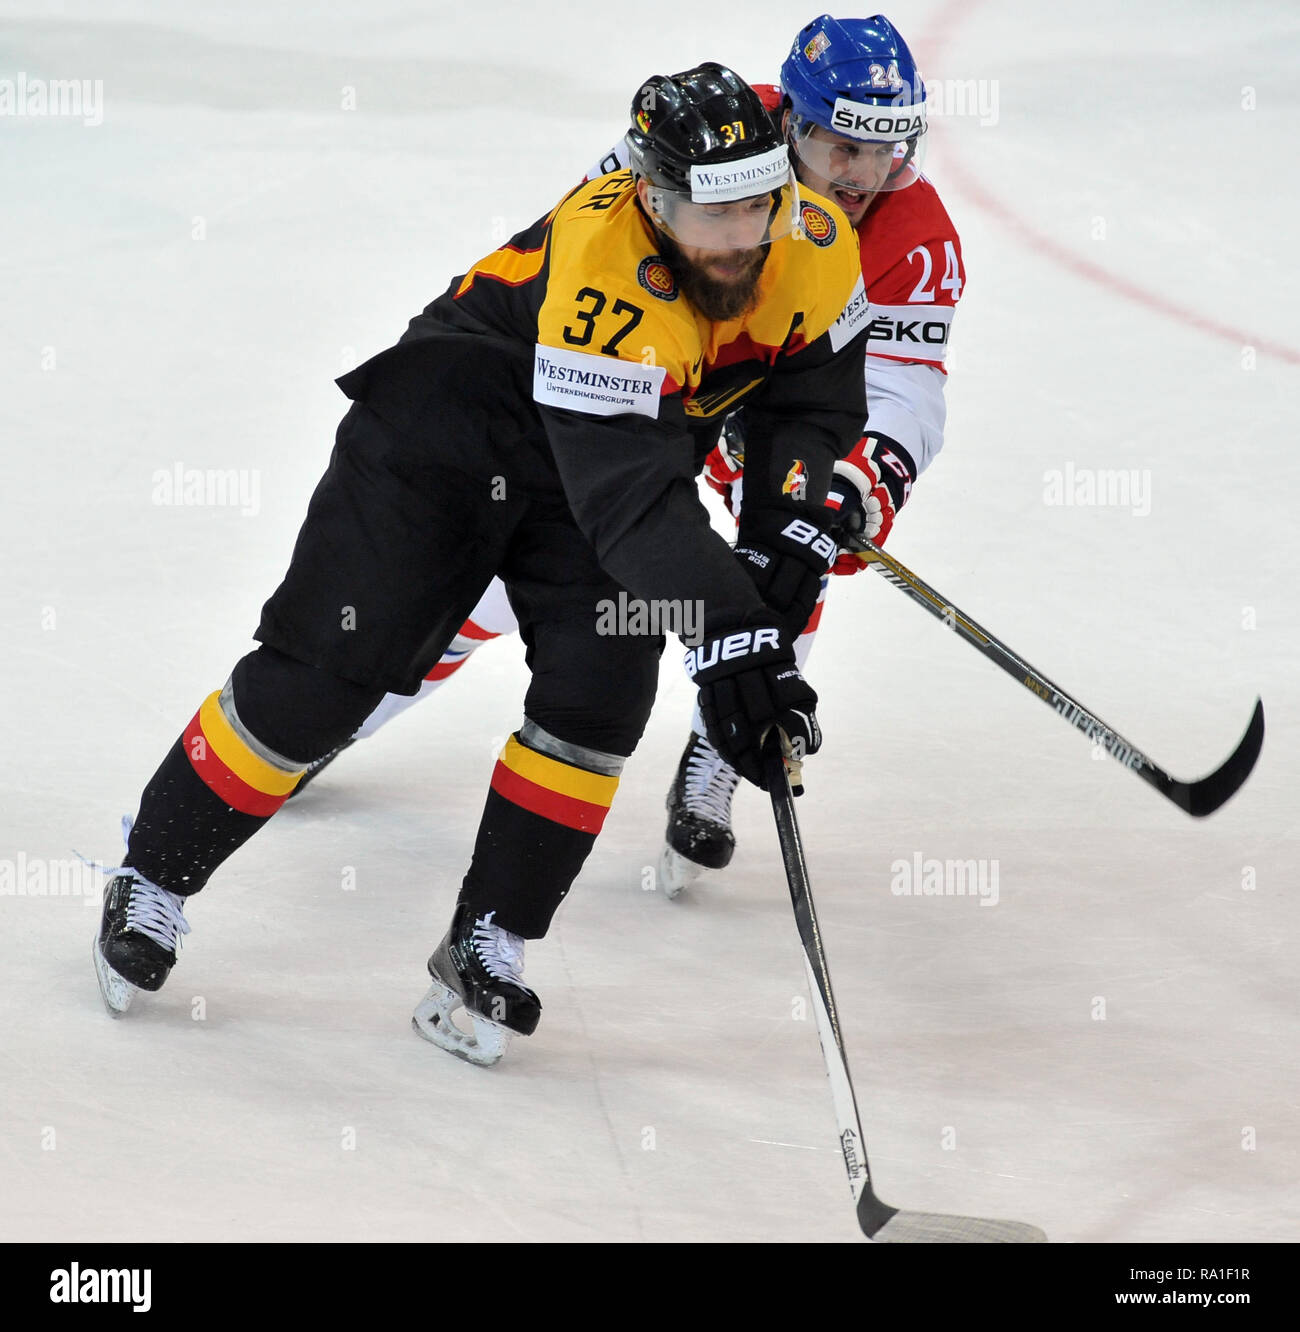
[586, 283]
[571, 353]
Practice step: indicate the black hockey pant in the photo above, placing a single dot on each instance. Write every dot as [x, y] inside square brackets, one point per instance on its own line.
[387, 565]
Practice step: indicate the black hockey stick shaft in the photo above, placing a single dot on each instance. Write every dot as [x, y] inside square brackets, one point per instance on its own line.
[878, 1221]
[1198, 798]
[872, 1213]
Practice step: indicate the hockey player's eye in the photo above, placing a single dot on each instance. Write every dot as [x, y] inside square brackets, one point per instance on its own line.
[857, 152]
[759, 204]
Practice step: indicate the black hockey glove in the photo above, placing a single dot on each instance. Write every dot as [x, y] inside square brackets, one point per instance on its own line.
[787, 552]
[748, 683]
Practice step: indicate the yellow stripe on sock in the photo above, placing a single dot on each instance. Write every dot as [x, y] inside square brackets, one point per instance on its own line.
[237, 756]
[593, 787]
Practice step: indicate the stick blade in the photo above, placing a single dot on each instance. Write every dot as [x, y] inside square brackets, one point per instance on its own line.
[1205, 796]
[936, 1228]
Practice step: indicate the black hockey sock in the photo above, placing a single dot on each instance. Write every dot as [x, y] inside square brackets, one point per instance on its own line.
[212, 792]
[541, 820]
[222, 780]
[184, 829]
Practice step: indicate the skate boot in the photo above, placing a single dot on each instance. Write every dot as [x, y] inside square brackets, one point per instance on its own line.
[477, 967]
[699, 832]
[139, 935]
[317, 766]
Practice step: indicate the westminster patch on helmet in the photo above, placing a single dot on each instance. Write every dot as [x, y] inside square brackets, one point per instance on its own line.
[657, 278]
[818, 225]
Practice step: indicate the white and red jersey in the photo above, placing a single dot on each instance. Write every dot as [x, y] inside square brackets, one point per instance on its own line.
[912, 268]
[914, 276]
[913, 273]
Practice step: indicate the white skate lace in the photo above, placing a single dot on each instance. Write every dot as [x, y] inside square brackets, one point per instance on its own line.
[710, 783]
[152, 911]
[156, 913]
[501, 952]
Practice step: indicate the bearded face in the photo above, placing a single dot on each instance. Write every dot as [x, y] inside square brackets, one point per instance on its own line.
[720, 284]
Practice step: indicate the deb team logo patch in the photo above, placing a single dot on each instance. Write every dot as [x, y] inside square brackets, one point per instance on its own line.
[818, 225]
[796, 481]
[815, 47]
[657, 278]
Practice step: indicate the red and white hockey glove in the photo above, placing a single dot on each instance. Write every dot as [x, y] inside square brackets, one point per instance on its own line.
[724, 468]
[868, 489]
[722, 472]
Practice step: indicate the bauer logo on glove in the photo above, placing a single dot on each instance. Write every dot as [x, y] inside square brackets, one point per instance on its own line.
[729, 647]
[749, 683]
[821, 543]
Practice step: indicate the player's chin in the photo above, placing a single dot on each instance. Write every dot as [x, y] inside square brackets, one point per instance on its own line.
[720, 284]
[718, 299]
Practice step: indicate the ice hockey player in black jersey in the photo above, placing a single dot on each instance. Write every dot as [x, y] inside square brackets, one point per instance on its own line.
[545, 420]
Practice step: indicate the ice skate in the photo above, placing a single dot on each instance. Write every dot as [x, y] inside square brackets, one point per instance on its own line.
[478, 967]
[699, 832]
[138, 939]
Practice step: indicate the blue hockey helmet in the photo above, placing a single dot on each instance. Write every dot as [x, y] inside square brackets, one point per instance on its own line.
[857, 104]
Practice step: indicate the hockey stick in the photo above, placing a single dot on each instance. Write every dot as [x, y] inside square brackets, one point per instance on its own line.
[878, 1220]
[1198, 798]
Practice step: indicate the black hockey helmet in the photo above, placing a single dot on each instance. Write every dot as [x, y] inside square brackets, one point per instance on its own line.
[703, 138]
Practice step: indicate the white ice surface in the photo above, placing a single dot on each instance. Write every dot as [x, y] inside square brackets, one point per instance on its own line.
[671, 1092]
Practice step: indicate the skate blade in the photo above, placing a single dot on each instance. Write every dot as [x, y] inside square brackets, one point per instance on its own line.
[676, 872]
[432, 1019]
[115, 992]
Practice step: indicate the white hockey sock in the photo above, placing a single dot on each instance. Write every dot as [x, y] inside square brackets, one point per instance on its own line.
[490, 618]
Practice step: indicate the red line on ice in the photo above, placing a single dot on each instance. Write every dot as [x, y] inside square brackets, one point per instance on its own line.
[934, 45]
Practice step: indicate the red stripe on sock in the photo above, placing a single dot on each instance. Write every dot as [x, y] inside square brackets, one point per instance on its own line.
[471, 630]
[221, 781]
[581, 815]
